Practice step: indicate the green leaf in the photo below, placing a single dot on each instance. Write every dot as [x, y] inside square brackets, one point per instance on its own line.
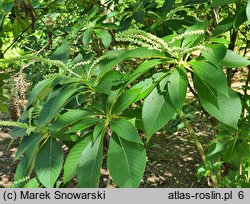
[104, 86]
[219, 40]
[25, 25]
[248, 11]
[67, 138]
[146, 87]
[62, 53]
[49, 163]
[88, 171]
[135, 114]
[104, 35]
[99, 105]
[144, 67]
[3, 76]
[209, 94]
[230, 151]
[177, 88]
[109, 80]
[98, 130]
[243, 148]
[125, 100]
[126, 162]
[211, 75]
[77, 100]
[115, 77]
[83, 124]
[87, 37]
[148, 84]
[93, 12]
[192, 2]
[167, 6]
[25, 166]
[125, 23]
[16, 29]
[228, 107]
[27, 142]
[223, 26]
[69, 118]
[220, 146]
[53, 106]
[2, 17]
[32, 183]
[39, 89]
[193, 40]
[17, 132]
[107, 16]
[73, 158]
[126, 130]
[157, 109]
[240, 18]
[7, 5]
[139, 16]
[234, 60]
[115, 57]
[215, 53]
[108, 26]
[217, 3]
[143, 52]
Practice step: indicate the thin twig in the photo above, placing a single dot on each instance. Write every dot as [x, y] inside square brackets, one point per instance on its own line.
[21, 34]
[245, 91]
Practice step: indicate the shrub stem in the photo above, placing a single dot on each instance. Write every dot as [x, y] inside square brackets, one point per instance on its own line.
[193, 136]
[198, 145]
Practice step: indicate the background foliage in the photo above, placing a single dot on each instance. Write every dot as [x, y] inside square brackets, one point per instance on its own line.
[94, 76]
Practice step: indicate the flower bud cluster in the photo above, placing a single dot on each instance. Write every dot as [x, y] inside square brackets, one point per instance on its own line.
[187, 33]
[144, 39]
[141, 38]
